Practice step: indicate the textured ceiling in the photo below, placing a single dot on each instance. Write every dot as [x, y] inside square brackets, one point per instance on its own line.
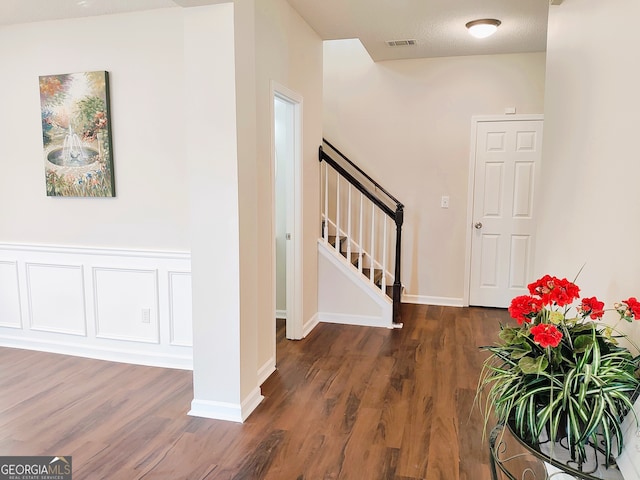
[436, 25]
[23, 11]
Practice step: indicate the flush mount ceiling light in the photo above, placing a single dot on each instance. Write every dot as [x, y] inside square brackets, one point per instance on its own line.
[484, 27]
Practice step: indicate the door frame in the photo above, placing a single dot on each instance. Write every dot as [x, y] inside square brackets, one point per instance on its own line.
[294, 321]
[475, 120]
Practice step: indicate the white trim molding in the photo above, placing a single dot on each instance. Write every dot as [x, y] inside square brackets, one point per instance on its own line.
[294, 274]
[266, 370]
[232, 412]
[56, 298]
[427, 300]
[350, 319]
[125, 308]
[10, 305]
[310, 325]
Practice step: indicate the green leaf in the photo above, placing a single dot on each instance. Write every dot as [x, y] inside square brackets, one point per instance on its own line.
[521, 351]
[583, 342]
[510, 336]
[530, 366]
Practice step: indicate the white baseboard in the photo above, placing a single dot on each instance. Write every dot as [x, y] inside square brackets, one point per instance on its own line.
[310, 325]
[101, 251]
[427, 300]
[266, 370]
[150, 359]
[348, 319]
[281, 314]
[232, 412]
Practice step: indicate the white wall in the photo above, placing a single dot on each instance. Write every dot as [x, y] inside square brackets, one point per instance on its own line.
[143, 54]
[85, 268]
[408, 124]
[590, 200]
[191, 117]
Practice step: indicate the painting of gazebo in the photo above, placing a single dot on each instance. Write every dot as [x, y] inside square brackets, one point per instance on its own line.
[76, 134]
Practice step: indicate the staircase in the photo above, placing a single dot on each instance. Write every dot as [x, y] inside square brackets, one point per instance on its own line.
[361, 226]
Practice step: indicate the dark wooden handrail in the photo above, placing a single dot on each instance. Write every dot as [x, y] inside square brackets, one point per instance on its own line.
[356, 183]
[397, 215]
[376, 184]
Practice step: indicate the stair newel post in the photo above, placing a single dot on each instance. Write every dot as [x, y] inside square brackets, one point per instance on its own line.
[397, 285]
[360, 233]
[349, 224]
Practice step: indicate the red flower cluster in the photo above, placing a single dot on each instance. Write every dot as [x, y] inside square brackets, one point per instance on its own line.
[591, 307]
[551, 292]
[554, 290]
[546, 335]
[633, 307]
[524, 308]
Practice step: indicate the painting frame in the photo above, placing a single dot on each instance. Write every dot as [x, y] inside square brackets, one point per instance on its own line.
[76, 134]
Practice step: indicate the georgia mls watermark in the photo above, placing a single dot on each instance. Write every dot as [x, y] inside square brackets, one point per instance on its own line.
[35, 468]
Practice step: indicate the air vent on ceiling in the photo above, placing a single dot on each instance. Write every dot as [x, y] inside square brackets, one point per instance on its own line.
[400, 43]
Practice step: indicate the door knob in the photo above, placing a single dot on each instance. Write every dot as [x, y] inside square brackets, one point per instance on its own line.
[478, 225]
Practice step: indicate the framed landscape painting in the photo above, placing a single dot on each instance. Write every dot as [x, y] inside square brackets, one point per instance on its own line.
[76, 134]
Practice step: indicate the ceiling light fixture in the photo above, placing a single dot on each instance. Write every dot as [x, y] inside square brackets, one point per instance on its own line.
[484, 27]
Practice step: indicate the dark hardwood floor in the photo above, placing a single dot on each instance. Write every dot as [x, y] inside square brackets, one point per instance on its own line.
[345, 403]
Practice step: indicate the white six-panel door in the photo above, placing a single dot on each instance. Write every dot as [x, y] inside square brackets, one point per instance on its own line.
[507, 168]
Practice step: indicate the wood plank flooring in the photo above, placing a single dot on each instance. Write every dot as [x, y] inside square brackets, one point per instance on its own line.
[345, 403]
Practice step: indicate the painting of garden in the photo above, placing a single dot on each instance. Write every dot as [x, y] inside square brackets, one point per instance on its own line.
[76, 134]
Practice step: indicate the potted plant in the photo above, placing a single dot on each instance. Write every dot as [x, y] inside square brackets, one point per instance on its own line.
[562, 373]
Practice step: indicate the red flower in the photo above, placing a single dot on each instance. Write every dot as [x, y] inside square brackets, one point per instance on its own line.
[546, 335]
[634, 306]
[554, 290]
[541, 287]
[591, 307]
[524, 308]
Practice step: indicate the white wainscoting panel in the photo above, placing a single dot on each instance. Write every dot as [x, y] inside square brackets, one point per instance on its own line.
[181, 326]
[126, 304]
[56, 298]
[130, 306]
[10, 311]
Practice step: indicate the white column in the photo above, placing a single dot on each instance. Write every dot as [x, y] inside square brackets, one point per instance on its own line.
[225, 383]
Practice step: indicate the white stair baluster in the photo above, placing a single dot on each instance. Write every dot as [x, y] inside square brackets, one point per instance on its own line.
[325, 233]
[349, 224]
[360, 234]
[384, 254]
[373, 242]
[337, 212]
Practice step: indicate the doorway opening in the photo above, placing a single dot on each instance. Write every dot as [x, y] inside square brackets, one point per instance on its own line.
[287, 201]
